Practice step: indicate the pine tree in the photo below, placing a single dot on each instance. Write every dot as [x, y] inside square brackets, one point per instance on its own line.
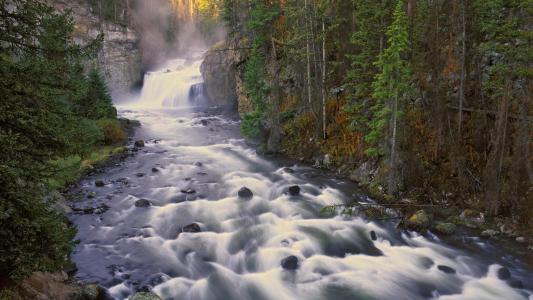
[391, 88]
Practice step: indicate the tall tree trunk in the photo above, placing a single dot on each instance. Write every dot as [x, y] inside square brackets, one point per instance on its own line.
[274, 138]
[308, 55]
[324, 124]
[462, 83]
[393, 179]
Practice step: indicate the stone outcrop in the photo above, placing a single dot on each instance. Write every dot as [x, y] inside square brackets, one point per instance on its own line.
[223, 71]
[120, 57]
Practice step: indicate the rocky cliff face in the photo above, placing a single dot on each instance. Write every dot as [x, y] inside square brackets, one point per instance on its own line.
[120, 58]
[223, 73]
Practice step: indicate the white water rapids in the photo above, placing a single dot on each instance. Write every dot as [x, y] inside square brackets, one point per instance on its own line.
[190, 171]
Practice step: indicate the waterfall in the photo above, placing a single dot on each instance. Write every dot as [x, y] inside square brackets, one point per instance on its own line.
[170, 86]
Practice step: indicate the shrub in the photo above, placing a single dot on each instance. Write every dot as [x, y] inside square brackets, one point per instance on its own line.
[113, 131]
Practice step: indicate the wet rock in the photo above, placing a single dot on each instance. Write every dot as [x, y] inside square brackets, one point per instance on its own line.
[521, 239]
[91, 195]
[188, 191]
[145, 296]
[193, 228]
[155, 170]
[489, 233]
[245, 193]
[517, 284]
[472, 218]
[373, 235]
[446, 269]
[140, 174]
[92, 292]
[504, 273]
[290, 263]
[202, 173]
[198, 164]
[445, 228]
[419, 220]
[204, 122]
[364, 173]
[99, 183]
[142, 203]
[139, 143]
[294, 190]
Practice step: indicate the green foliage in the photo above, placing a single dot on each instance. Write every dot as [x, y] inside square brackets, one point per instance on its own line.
[392, 83]
[96, 103]
[43, 83]
[251, 124]
[261, 17]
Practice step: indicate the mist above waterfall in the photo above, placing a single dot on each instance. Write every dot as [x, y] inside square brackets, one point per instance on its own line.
[174, 28]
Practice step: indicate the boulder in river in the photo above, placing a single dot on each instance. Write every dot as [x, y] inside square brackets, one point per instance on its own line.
[290, 263]
[99, 183]
[445, 228]
[140, 174]
[245, 193]
[373, 235]
[92, 292]
[419, 220]
[192, 228]
[155, 170]
[446, 269]
[294, 190]
[145, 296]
[139, 143]
[198, 164]
[142, 203]
[489, 233]
[504, 273]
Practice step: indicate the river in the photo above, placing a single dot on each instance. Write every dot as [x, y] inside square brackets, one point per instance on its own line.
[170, 219]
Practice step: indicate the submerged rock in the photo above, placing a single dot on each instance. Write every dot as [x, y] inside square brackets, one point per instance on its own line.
[91, 195]
[517, 284]
[139, 143]
[145, 296]
[294, 190]
[142, 203]
[188, 191]
[198, 164]
[99, 183]
[245, 193]
[155, 170]
[140, 174]
[445, 228]
[290, 263]
[193, 228]
[288, 170]
[446, 269]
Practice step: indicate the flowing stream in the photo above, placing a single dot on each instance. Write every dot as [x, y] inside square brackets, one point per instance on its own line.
[190, 171]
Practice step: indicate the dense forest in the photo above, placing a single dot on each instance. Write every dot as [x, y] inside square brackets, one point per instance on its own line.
[55, 116]
[432, 98]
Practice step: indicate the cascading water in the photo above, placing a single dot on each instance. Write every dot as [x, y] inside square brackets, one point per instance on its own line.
[137, 234]
[169, 87]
